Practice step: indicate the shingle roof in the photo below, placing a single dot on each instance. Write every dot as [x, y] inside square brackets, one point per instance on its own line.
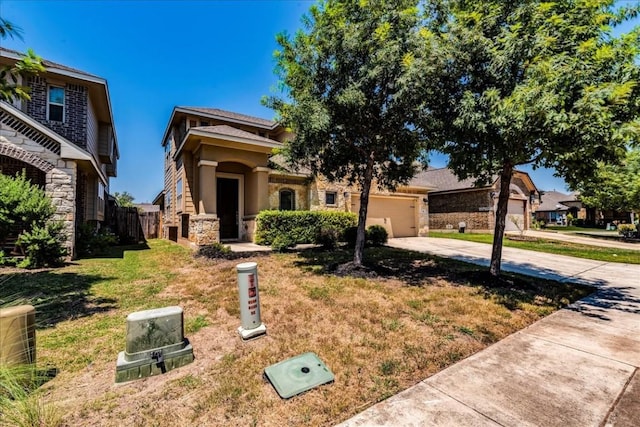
[233, 116]
[443, 179]
[48, 64]
[552, 201]
[234, 132]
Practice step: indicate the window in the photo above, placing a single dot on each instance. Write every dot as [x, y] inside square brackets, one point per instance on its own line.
[100, 197]
[193, 123]
[204, 123]
[179, 193]
[167, 202]
[330, 198]
[55, 107]
[287, 200]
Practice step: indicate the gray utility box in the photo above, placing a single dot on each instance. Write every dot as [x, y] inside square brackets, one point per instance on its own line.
[155, 344]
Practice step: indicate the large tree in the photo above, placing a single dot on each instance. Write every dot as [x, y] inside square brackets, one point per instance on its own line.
[530, 82]
[10, 76]
[350, 98]
[614, 186]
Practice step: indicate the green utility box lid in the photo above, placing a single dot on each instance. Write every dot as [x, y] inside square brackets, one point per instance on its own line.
[298, 374]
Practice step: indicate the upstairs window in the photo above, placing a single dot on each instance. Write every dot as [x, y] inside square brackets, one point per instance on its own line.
[55, 106]
[179, 193]
[287, 200]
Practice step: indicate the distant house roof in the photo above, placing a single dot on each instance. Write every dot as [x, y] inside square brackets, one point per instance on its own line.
[147, 207]
[553, 201]
[443, 179]
[256, 121]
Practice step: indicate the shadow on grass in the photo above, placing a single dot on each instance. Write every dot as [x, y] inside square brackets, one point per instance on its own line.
[420, 269]
[56, 296]
[117, 251]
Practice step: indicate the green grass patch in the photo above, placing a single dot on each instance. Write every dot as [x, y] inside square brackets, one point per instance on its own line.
[557, 247]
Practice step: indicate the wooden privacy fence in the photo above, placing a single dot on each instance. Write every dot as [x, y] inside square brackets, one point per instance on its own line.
[133, 226]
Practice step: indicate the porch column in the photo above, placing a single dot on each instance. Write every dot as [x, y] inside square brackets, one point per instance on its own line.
[262, 187]
[207, 187]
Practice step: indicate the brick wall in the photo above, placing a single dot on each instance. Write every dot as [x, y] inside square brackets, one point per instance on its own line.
[74, 127]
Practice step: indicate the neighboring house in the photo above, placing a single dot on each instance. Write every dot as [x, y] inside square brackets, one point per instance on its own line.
[64, 139]
[455, 201]
[555, 206]
[220, 172]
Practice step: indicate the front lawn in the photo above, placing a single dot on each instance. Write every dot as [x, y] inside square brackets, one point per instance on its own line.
[558, 247]
[417, 315]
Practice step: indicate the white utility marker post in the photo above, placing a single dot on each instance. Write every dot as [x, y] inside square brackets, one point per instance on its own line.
[251, 325]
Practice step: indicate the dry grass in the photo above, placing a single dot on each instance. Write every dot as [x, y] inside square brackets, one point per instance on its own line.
[378, 335]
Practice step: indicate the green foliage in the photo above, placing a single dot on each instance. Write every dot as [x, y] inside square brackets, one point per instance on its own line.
[21, 403]
[124, 199]
[284, 229]
[29, 64]
[522, 82]
[90, 241]
[349, 94]
[350, 236]
[377, 235]
[22, 203]
[614, 186]
[328, 238]
[42, 246]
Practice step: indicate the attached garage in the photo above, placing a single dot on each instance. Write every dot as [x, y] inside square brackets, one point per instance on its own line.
[397, 214]
[516, 212]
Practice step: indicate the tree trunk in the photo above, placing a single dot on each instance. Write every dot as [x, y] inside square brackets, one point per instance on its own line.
[362, 213]
[501, 215]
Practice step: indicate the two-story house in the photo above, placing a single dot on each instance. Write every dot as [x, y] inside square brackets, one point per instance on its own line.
[64, 139]
[220, 172]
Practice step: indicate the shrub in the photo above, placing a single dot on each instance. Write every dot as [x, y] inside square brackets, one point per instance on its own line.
[627, 230]
[298, 227]
[377, 235]
[328, 238]
[350, 235]
[42, 246]
[90, 241]
[22, 202]
[215, 250]
[283, 242]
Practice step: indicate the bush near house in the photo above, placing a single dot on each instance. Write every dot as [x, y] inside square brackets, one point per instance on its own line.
[24, 206]
[283, 229]
[376, 235]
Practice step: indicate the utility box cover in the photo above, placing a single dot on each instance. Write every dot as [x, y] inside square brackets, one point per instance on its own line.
[298, 374]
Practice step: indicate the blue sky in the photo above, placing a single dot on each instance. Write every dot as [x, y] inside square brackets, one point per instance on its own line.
[159, 54]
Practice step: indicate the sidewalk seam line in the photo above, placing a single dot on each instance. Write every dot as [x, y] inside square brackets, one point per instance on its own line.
[618, 398]
[464, 404]
[577, 349]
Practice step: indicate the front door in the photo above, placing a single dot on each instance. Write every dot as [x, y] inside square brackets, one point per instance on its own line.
[228, 207]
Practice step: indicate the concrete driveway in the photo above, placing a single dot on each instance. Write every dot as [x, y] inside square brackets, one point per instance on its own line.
[577, 367]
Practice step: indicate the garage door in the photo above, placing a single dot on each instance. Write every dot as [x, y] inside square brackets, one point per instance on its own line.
[515, 212]
[396, 214]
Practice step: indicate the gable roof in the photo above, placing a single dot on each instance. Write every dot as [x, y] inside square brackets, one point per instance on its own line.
[217, 113]
[443, 179]
[14, 54]
[226, 130]
[554, 201]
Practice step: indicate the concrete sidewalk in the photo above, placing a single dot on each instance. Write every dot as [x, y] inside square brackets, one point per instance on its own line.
[582, 239]
[577, 367]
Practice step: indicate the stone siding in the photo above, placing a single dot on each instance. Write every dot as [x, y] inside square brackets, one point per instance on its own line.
[74, 126]
[204, 229]
[300, 189]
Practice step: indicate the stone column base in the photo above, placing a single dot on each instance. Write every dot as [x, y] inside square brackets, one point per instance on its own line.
[204, 229]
